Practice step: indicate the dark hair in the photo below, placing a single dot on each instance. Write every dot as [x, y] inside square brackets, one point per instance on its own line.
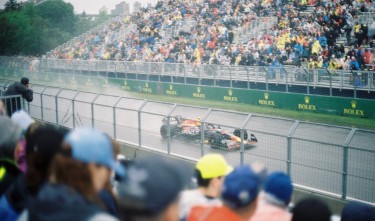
[24, 80]
[73, 173]
[38, 163]
[311, 209]
[200, 180]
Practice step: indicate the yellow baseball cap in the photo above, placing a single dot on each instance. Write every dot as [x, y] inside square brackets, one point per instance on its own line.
[213, 165]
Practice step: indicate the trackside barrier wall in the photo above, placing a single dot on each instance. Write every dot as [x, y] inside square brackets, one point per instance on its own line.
[332, 160]
[352, 107]
[287, 78]
[301, 102]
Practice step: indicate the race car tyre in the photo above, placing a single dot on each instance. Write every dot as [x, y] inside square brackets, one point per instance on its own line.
[253, 138]
[164, 131]
[214, 141]
[237, 132]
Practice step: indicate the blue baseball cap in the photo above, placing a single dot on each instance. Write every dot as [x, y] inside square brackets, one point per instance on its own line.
[91, 145]
[279, 185]
[241, 187]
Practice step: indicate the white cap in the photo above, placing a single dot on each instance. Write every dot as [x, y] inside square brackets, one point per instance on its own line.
[22, 119]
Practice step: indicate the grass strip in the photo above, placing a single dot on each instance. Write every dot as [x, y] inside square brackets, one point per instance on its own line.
[363, 123]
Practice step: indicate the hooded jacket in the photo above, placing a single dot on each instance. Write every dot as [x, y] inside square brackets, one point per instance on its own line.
[60, 203]
[9, 172]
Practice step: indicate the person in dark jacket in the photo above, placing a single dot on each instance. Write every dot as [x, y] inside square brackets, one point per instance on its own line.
[18, 88]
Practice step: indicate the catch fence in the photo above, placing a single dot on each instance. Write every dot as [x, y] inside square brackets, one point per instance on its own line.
[333, 160]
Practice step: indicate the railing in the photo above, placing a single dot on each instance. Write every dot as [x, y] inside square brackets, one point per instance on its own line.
[12, 103]
[366, 18]
[250, 77]
[333, 160]
[346, 83]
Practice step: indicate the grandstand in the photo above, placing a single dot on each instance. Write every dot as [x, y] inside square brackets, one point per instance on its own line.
[321, 38]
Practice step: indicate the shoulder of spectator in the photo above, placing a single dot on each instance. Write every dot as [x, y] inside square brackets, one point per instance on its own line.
[103, 217]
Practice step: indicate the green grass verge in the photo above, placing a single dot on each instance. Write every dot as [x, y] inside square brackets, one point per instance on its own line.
[362, 123]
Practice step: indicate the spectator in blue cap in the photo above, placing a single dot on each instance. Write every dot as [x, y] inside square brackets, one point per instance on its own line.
[276, 196]
[78, 174]
[239, 195]
[358, 212]
[150, 190]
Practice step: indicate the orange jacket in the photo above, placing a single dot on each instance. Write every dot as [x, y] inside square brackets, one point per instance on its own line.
[212, 213]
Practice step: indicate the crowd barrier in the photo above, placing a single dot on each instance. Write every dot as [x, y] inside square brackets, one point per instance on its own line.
[11, 103]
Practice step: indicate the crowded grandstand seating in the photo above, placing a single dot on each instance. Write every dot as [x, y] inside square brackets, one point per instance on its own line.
[312, 34]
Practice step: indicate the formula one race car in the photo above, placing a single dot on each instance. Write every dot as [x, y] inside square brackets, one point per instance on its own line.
[215, 137]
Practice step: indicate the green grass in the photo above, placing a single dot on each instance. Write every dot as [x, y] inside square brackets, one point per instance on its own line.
[362, 123]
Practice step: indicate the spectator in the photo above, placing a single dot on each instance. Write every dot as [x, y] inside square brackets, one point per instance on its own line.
[358, 212]
[239, 194]
[18, 88]
[24, 120]
[43, 142]
[209, 172]
[217, 24]
[273, 203]
[354, 65]
[150, 190]
[78, 174]
[311, 209]
[10, 144]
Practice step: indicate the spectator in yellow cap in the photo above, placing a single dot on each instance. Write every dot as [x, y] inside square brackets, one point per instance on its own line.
[209, 173]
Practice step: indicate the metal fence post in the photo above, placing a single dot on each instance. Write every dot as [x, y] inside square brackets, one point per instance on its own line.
[169, 135]
[41, 103]
[345, 163]
[57, 106]
[308, 82]
[248, 77]
[114, 118]
[92, 110]
[330, 83]
[73, 110]
[265, 71]
[202, 129]
[242, 147]
[231, 78]
[289, 146]
[140, 122]
[169, 128]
